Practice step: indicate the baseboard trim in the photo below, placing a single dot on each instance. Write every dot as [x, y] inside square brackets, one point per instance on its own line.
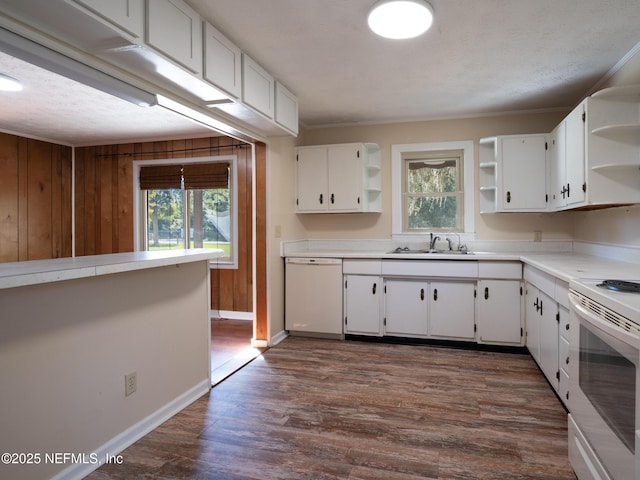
[278, 337]
[231, 315]
[134, 433]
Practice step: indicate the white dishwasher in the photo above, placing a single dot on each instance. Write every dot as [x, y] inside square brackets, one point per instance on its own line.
[313, 296]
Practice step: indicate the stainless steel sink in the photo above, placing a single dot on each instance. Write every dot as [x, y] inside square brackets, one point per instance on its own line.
[431, 252]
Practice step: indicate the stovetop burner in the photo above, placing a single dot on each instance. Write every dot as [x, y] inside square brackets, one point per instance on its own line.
[620, 286]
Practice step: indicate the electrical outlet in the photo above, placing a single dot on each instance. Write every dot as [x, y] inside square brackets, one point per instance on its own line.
[130, 383]
[537, 235]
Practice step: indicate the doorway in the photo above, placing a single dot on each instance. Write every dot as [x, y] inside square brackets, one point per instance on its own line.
[231, 347]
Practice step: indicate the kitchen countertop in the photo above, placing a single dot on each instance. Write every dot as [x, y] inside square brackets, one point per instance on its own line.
[34, 272]
[564, 266]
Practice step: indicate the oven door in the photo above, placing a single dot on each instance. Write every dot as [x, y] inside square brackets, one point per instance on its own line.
[605, 385]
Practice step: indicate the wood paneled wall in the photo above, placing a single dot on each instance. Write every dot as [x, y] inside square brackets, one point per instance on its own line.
[35, 199]
[104, 206]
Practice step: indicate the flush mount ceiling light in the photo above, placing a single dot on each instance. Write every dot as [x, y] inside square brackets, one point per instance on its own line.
[399, 19]
[9, 84]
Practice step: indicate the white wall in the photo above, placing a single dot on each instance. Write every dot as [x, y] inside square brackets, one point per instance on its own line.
[66, 346]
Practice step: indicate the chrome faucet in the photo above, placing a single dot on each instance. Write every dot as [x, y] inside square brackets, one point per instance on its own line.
[432, 241]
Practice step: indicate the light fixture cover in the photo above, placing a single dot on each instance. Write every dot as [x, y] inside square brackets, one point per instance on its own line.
[9, 84]
[399, 19]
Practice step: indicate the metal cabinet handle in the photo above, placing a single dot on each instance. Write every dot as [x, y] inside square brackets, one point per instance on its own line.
[435, 294]
[508, 197]
[486, 293]
[540, 307]
[373, 290]
[566, 327]
[422, 294]
[568, 190]
[567, 360]
[321, 199]
[537, 305]
[333, 199]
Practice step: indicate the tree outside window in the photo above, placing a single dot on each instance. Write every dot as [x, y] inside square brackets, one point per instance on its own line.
[433, 191]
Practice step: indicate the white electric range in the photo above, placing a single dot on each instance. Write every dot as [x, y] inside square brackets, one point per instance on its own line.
[604, 370]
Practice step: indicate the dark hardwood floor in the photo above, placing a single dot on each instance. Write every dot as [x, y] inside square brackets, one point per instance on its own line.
[322, 409]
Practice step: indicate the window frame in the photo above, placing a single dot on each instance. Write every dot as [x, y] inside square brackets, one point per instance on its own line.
[139, 229]
[457, 156]
[398, 221]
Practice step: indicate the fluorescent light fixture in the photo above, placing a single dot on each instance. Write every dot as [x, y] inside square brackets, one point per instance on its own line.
[400, 19]
[9, 84]
[55, 62]
[191, 114]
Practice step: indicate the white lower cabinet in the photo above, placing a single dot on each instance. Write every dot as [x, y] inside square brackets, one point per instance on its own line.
[362, 305]
[547, 319]
[434, 299]
[406, 307]
[452, 310]
[499, 312]
[434, 309]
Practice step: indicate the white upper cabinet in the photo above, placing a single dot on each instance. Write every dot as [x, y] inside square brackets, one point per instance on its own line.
[572, 189]
[338, 178]
[286, 108]
[557, 166]
[175, 29]
[257, 87]
[602, 152]
[126, 15]
[513, 173]
[222, 62]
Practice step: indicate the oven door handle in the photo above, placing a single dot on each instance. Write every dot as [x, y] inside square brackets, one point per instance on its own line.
[603, 324]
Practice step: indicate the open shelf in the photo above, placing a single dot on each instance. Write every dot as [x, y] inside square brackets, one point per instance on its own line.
[630, 93]
[629, 133]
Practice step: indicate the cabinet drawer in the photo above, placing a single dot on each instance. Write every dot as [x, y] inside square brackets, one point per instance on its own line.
[362, 267]
[543, 281]
[431, 268]
[502, 270]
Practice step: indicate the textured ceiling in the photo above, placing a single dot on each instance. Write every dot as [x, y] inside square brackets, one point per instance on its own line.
[481, 57]
[52, 107]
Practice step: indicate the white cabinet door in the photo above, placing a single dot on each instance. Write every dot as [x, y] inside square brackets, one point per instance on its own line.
[524, 173]
[127, 15]
[548, 311]
[222, 62]
[557, 166]
[499, 312]
[532, 320]
[362, 302]
[286, 108]
[575, 156]
[452, 310]
[345, 177]
[257, 87]
[312, 179]
[406, 308]
[175, 29]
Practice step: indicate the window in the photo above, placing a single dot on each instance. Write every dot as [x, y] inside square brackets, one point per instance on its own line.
[432, 193]
[432, 188]
[187, 205]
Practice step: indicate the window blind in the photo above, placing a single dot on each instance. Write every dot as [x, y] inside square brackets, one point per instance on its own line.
[197, 176]
[161, 177]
